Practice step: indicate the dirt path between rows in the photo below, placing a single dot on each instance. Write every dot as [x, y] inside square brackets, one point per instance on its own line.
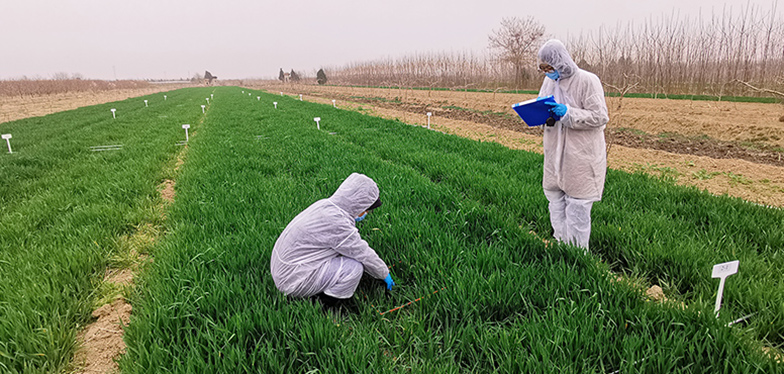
[715, 162]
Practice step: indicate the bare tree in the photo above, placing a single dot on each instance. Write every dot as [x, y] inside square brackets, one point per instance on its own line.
[516, 43]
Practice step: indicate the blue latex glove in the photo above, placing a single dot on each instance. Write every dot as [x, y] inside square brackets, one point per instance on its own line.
[554, 75]
[360, 218]
[557, 109]
[389, 281]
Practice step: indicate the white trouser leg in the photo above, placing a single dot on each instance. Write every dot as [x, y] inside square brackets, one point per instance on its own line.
[557, 208]
[578, 221]
[349, 272]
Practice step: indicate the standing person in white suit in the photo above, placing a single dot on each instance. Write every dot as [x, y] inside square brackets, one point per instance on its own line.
[575, 158]
[320, 253]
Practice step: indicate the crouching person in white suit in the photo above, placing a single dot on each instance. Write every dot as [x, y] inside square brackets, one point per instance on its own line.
[320, 253]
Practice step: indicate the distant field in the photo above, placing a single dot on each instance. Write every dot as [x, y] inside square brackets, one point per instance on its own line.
[32, 104]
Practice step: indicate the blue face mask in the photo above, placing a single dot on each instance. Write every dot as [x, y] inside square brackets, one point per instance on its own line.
[554, 75]
[360, 218]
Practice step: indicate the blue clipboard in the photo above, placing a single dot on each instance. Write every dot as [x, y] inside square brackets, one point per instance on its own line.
[534, 112]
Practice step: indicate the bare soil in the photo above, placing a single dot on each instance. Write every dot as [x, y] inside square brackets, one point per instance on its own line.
[692, 143]
[167, 188]
[102, 340]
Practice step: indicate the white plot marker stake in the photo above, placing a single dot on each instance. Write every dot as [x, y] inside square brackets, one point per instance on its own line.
[428, 119]
[723, 271]
[145, 103]
[333, 104]
[275, 103]
[317, 119]
[186, 127]
[164, 97]
[281, 94]
[300, 97]
[211, 97]
[208, 99]
[243, 91]
[7, 138]
[258, 98]
[202, 109]
[249, 94]
[113, 115]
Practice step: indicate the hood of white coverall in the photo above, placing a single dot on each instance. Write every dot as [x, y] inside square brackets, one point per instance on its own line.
[356, 194]
[554, 53]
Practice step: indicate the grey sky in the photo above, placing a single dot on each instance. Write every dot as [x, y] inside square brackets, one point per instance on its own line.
[247, 38]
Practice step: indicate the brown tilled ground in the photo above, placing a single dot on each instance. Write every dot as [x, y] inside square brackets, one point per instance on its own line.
[725, 148]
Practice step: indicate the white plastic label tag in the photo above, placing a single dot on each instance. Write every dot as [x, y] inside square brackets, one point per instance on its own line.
[186, 126]
[726, 269]
[6, 136]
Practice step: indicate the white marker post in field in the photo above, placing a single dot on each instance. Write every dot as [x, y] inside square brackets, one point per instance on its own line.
[145, 103]
[428, 119]
[723, 271]
[243, 91]
[113, 115]
[164, 97]
[208, 99]
[211, 96]
[300, 97]
[333, 104]
[275, 103]
[281, 94]
[258, 98]
[7, 138]
[186, 127]
[317, 119]
[202, 109]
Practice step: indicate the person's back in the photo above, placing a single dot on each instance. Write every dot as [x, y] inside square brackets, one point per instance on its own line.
[308, 238]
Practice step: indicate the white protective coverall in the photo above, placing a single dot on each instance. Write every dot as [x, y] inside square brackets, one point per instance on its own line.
[575, 158]
[321, 250]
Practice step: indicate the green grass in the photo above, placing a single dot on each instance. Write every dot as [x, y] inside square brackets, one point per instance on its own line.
[703, 174]
[63, 210]
[456, 218]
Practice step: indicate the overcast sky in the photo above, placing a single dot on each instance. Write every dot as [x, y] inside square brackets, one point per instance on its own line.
[104, 39]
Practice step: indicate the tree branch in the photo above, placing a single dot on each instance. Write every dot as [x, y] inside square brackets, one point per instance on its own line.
[759, 89]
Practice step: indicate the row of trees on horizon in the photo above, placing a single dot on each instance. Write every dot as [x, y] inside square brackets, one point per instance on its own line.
[724, 54]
